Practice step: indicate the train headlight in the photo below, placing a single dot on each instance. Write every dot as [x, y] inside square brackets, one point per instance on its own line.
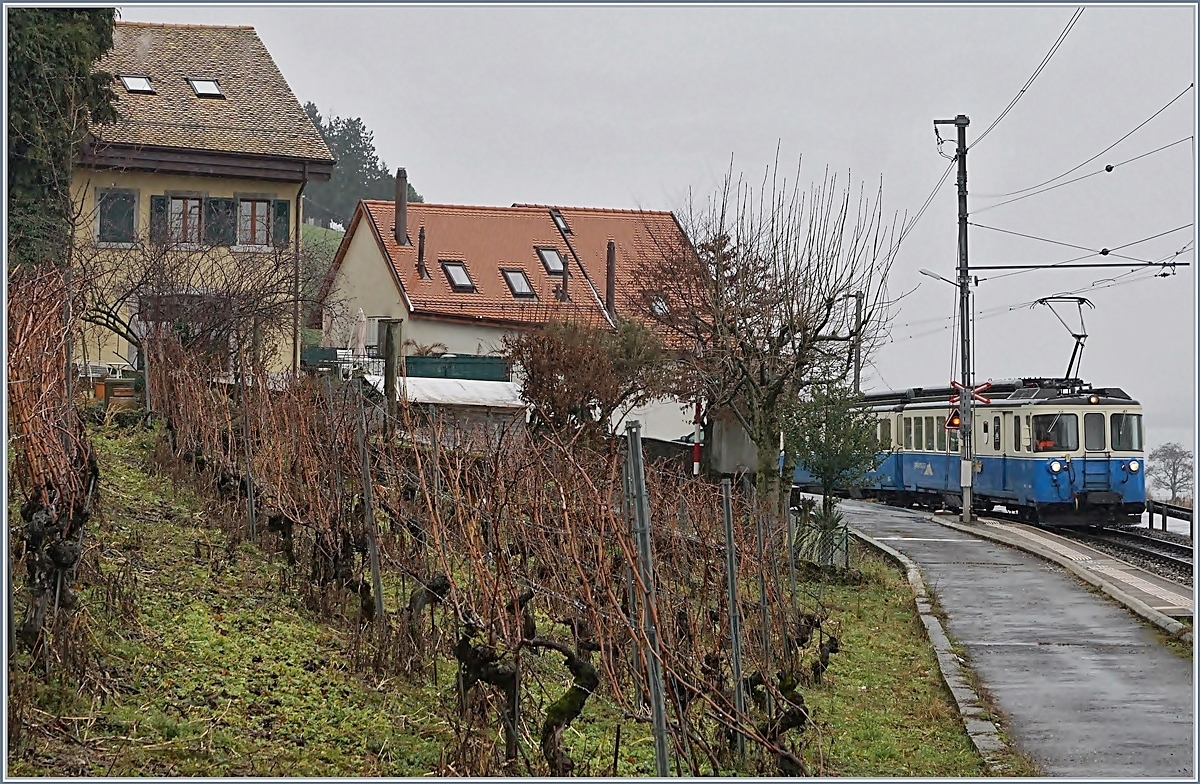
[1055, 466]
[1133, 466]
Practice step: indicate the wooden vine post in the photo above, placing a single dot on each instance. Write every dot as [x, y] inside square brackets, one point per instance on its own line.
[369, 508]
[641, 512]
[735, 615]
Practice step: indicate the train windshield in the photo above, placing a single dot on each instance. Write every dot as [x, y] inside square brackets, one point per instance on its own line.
[1126, 432]
[1055, 432]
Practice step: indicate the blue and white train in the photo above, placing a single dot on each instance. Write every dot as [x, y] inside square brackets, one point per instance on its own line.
[1054, 451]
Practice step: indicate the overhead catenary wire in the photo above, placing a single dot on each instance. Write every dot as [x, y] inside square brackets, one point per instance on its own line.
[1106, 169]
[1076, 168]
[1045, 61]
[1138, 275]
[1091, 251]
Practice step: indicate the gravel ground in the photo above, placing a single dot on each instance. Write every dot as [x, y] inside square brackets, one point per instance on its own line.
[1168, 536]
[1152, 565]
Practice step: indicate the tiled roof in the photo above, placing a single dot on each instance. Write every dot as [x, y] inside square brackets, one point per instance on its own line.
[259, 115]
[491, 239]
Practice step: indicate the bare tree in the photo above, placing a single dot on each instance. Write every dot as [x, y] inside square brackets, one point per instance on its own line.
[213, 296]
[759, 301]
[1170, 469]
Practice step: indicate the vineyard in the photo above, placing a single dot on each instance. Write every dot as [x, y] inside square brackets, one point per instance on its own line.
[514, 601]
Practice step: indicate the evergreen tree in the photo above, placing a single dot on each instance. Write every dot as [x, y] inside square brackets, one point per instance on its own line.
[358, 174]
[52, 94]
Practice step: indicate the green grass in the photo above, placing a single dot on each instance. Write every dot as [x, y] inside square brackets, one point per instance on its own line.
[312, 235]
[219, 672]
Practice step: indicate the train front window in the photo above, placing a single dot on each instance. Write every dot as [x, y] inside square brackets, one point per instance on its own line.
[1055, 432]
[1093, 431]
[1126, 432]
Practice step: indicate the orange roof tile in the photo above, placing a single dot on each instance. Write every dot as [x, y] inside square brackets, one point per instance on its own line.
[489, 240]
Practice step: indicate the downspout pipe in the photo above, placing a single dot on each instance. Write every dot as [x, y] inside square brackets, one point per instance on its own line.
[296, 278]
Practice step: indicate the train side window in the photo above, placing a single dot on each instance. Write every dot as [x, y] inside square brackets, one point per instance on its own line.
[919, 433]
[953, 441]
[1093, 431]
[941, 437]
[1017, 433]
[996, 434]
[885, 433]
[908, 432]
[930, 432]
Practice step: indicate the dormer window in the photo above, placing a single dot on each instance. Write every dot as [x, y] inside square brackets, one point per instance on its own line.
[137, 84]
[658, 306]
[518, 283]
[456, 273]
[560, 221]
[206, 88]
[551, 259]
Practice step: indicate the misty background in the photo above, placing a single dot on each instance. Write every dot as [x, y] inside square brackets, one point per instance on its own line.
[633, 107]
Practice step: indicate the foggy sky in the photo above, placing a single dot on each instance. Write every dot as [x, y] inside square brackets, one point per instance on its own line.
[636, 107]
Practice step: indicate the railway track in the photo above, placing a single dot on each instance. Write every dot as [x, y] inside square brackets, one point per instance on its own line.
[1176, 555]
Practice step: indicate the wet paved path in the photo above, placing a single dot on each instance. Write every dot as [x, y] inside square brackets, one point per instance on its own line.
[1087, 688]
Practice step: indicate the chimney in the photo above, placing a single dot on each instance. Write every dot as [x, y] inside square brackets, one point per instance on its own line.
[610, 290]
[422, 270]
[401, 228]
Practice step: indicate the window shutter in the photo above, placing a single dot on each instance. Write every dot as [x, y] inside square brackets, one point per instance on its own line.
[158, 219]
[280, 222]
[220, 222]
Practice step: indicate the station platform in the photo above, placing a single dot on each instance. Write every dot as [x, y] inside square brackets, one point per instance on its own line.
[1165, 596]
[1086, 688]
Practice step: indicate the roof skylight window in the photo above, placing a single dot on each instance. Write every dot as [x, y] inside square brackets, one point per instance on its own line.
[518, 283]
[658, 306]
[206, 88]
[552, 260]
[137, 84]
[560, 221]
[456, 273]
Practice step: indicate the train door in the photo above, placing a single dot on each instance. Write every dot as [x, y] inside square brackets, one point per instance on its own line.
[1095, 456]
[1007, 447]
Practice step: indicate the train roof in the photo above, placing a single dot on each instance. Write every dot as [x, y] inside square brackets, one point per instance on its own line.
[1040, 391]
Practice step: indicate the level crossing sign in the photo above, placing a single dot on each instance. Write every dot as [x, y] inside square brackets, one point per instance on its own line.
[976, 392]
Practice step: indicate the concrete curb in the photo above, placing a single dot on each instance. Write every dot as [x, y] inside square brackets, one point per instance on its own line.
[984, 734]
[1172, 627]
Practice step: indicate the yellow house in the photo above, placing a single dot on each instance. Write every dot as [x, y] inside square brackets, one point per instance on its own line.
[202, 176]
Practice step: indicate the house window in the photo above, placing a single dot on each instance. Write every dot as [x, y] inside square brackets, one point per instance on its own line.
[254, 222]
[552, 260]
[185, 219]
[518, 284]
[206, 88]
[116, 210]
[456, 273]
[137, 84]
[560, 221]
[658, 306]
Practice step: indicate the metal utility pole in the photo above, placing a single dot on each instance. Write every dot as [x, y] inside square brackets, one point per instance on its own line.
[858, 308]
[967, 469]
